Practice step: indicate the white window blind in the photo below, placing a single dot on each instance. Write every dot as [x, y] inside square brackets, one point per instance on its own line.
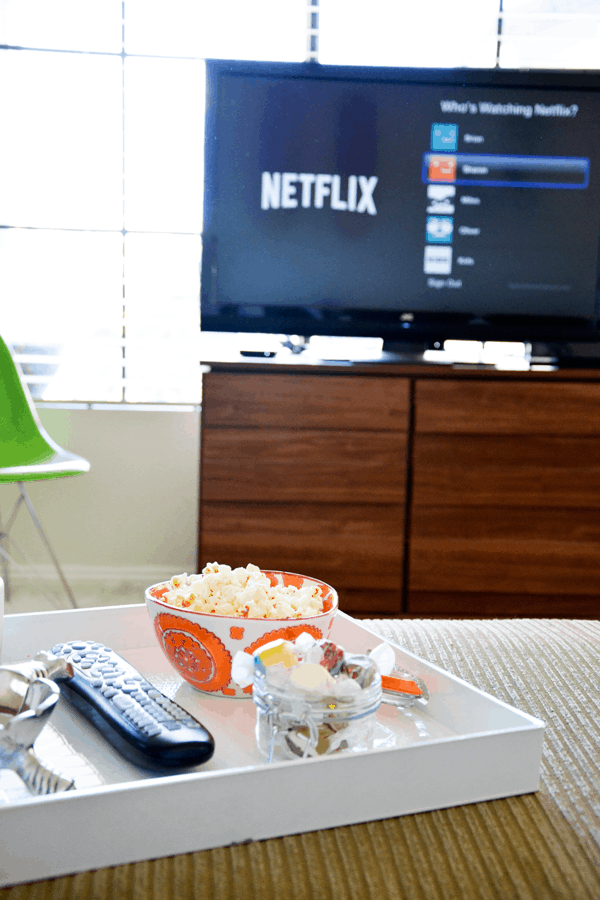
[101, 112]
[101, 184]
[550, 34]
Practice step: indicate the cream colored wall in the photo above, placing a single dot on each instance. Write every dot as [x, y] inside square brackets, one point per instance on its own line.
[137, 507]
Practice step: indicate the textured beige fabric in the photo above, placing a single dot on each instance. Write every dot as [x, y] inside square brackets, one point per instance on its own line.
[532, 847]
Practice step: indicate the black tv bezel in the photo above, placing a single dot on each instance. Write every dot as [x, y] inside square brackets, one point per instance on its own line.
[428, 328]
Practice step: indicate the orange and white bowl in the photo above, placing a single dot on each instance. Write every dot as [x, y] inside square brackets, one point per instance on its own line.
[201, 646]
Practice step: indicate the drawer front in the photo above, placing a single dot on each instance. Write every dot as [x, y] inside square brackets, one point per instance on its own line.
[354, 547]
[311, 465]
[499, 550]
[490, 470]
[305, 401]
[486, 407]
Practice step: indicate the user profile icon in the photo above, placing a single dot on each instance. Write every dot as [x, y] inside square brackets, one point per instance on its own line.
[439, 229]
[441, 168]
[444, 136]
[437, 260]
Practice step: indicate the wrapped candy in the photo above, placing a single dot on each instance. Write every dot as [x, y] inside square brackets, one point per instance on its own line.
[333, 656]
[314, 707]
[314, 699]
[361, 668]
[402, 689]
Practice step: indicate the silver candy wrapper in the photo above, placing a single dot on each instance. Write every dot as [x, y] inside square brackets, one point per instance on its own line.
[359, 667]
[27, 699]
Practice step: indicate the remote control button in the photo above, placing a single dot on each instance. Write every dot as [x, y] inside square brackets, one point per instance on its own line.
[151, 730]
[97, 646]
[172, 726]
[78, 645]
[154, 694]
[139, 697]
[109, 692]
[97, 682]
[86, 665]
[141, 719]
[122, 701]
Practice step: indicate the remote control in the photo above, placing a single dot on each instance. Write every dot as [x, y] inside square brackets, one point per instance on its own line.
[141, 722]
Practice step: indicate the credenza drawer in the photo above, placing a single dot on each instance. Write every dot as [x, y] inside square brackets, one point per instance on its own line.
[277, 465]
[497, 407]
[305, 401]
[519, 551]
[506, 470]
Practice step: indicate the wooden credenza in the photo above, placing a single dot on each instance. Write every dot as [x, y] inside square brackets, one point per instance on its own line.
[414, 490]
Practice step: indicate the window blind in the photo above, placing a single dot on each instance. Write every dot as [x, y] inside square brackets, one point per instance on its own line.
[550, 34]
[101, 185]
[101, 156]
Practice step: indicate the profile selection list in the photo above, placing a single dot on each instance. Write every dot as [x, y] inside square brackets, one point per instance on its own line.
[445, 169]
[440, 175]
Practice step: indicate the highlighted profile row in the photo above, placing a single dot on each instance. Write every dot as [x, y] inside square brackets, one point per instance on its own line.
[506, 171]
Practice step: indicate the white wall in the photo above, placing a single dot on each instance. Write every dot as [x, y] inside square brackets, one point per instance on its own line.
[135, 512]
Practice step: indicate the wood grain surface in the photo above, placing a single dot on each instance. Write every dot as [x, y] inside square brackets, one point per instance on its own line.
[499, 407]
[499, 483]
[506, 470]
[505, 550]
[310, 465]
[305, 401]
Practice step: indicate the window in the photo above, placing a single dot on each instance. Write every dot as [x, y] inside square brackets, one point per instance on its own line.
[101, 156]
[101, 185]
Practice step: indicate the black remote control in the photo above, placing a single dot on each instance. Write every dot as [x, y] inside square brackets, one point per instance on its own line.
[141, 722]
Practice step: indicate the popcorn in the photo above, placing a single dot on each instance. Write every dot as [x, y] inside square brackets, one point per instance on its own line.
[244, 592]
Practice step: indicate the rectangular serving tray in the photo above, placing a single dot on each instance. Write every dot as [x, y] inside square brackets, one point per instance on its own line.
[464, 746]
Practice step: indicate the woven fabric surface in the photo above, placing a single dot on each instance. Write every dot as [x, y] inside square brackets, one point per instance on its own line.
[530, 847]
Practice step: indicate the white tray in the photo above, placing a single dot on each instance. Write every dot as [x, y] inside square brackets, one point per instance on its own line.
[464, 747]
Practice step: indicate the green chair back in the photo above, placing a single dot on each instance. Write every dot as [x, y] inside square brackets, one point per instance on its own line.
[27, 452]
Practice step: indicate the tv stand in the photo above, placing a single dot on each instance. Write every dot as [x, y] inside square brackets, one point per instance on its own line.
[414, 490]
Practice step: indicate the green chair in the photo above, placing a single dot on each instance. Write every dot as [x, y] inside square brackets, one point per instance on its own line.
[27, 453]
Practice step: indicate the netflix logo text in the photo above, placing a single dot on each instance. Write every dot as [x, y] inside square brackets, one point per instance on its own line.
[288, 190]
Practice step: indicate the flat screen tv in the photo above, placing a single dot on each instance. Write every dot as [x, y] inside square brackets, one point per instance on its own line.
[405, 204]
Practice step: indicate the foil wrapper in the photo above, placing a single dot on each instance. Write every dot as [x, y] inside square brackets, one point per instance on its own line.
[361, 668]
[403, 689]
[333, 656]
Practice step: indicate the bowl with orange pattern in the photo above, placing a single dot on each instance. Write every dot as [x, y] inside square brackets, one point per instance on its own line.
[200, 646]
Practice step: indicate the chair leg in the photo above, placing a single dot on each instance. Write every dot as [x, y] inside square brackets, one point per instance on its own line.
[38, 525]
[5, 572]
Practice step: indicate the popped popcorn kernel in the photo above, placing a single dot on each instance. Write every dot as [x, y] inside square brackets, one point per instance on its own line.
[243, 592]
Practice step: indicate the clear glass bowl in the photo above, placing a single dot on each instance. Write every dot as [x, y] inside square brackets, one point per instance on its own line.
[290, 726]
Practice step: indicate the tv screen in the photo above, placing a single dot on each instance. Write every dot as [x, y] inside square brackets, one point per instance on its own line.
[401, 203]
